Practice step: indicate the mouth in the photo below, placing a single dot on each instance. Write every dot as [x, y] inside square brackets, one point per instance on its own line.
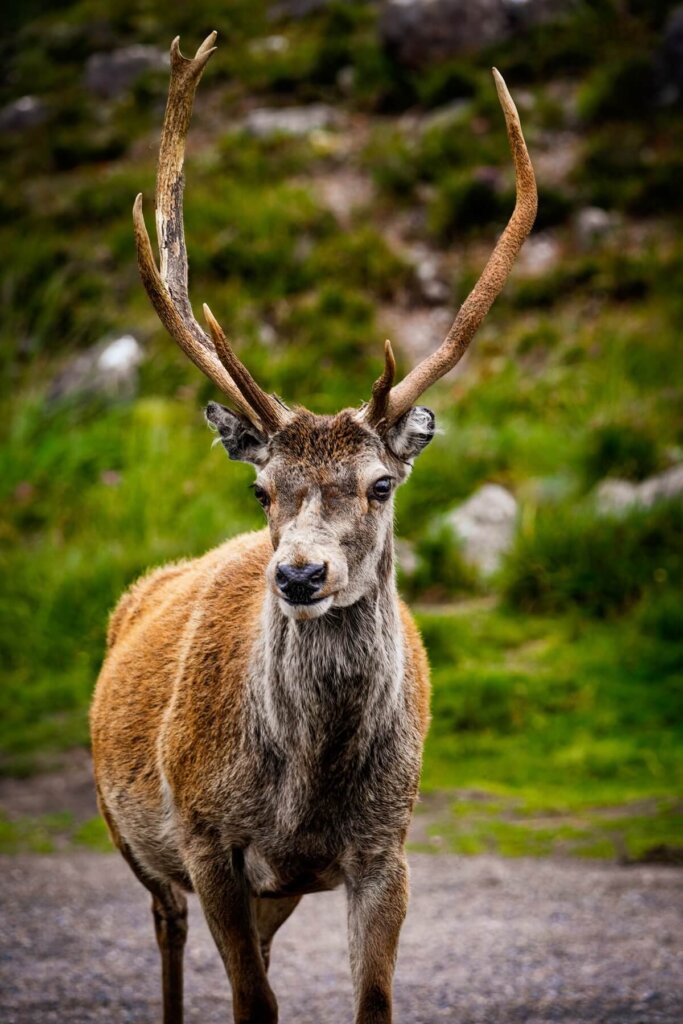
[302, 602]
[312, 608]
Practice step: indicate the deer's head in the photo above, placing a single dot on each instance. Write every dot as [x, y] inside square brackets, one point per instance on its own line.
[325, 482]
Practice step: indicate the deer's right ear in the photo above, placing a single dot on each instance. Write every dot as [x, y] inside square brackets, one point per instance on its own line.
[241, 440]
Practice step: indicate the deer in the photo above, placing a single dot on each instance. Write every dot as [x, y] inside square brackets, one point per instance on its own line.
[259, 719]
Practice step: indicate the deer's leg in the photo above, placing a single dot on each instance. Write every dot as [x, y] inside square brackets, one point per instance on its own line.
[270, 914]
[377, 893]
[229, 910]
[169, 908]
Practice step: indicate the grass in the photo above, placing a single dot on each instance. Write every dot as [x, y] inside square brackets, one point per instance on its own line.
[572, 710]
[51, 832]
[511, 828]
[561, 688]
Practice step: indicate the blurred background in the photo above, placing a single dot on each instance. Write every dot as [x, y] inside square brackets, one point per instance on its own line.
[347, 176]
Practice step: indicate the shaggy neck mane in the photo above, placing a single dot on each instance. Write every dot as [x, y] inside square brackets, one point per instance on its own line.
[337, 674]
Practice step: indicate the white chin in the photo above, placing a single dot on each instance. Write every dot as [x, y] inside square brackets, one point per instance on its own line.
[302, 612]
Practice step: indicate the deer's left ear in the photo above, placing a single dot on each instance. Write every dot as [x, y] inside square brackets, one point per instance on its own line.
[241, 440]
[413, 432]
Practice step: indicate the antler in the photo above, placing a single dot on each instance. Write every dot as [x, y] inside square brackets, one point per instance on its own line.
[488, 287]
[167, 287]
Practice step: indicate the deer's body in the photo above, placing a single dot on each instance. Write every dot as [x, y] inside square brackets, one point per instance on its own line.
[258, 723]
[296, 743]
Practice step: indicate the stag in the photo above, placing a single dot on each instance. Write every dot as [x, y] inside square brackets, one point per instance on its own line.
[258, 723]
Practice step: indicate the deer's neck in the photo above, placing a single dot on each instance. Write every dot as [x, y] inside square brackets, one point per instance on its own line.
[341, 671]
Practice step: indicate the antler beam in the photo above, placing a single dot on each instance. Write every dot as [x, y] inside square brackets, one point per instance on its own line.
[488, 287]
[167, 287]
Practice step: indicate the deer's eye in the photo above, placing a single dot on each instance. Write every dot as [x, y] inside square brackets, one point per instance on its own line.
[261, 496]
[381, 489]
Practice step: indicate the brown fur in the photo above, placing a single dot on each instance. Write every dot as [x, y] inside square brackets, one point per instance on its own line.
[253, 757]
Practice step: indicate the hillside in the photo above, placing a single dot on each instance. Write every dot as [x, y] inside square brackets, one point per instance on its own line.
[341, 188]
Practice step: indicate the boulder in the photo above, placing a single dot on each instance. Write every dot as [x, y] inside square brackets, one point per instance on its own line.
[614, 497]
[418, 32]
[26, 112]
[592, 223]
[264, 122]
[485, 525]
[670, 58]
[109, 368]
[110, 75]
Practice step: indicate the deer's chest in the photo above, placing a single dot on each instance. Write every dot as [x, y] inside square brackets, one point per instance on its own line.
[316, 813]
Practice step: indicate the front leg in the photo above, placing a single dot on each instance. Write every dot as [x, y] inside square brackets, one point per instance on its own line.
[223, 892]
[377, 892]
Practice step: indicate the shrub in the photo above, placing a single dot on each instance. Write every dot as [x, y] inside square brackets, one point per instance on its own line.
[441, 571]
[621, 450]
[573, 558]
[618, 90]
[464, 201]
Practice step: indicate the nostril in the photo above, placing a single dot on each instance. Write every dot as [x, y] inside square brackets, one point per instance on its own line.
[300, 582]
[317, 573]
[281, 577]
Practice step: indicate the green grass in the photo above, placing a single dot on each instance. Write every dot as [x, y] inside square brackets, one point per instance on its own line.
[565, 709]
[511, 828]
[565, 693]
[51, 832]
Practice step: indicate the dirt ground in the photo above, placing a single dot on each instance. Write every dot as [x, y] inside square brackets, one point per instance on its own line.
[486, 940]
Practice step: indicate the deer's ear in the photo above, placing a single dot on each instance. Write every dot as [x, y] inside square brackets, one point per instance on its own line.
[412, 433]
[241, 440]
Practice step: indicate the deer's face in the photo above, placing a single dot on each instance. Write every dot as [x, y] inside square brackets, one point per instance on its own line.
[326, 485]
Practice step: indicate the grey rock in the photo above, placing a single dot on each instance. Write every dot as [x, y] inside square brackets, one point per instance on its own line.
[109, 368]
[298, 8]
[541, 254]
[296, 121]
[432, 286]
[110, 75]
[614, 497]
[485, 525]
[592, 224]
[418, 32]
[406, 556]
[670, 58]
[26, 112]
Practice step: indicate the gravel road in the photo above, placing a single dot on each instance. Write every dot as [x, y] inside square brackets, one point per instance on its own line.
[486, 940]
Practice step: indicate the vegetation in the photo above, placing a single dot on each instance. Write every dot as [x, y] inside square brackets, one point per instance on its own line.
[555, 684]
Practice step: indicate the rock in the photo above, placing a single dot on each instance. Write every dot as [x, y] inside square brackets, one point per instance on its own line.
[433, 288]
[418, 32]
[26, 112]
[593, 223]
[109, 75]
[297, 8]
[109, 368]
[540, 255]
[297, 121]
[614, 497]
[485, 525]
[670, 58]
[406, 556]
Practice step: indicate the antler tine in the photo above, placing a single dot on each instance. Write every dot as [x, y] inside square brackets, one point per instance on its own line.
[270, 411]
[185, 334]
[376, 409]
[167, 286]
[490, 284]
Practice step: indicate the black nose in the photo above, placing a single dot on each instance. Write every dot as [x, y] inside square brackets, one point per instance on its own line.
[300, 583]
